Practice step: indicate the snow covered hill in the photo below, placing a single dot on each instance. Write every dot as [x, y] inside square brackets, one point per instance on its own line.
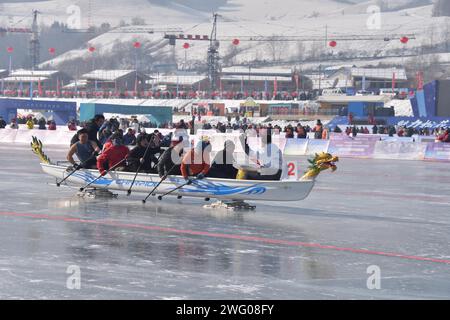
[309, 18]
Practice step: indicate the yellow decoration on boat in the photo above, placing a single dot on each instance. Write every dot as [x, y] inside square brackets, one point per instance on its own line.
[36, 146]
[321, 162]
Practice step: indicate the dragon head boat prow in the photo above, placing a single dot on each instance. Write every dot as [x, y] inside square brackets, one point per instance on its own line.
[36, 146]
[322, 161]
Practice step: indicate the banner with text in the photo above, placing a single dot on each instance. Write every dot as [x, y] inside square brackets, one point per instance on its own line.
[438, 151]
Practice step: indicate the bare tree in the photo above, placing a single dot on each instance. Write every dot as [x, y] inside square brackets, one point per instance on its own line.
[441, 8]
[277, 47]
[317, 50]
[137, 21]
[446, 36]
[383, 5]
[430, 65]
[229, 57]
[300, 54]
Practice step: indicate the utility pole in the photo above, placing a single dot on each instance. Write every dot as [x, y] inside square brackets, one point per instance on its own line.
[34, 42]
[213, 57]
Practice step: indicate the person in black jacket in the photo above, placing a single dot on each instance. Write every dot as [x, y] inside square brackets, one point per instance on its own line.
[354, 131]
[222, 165]
[42, 124]
[93, 127]
[170, 161]
[375, 129]
[2, 123]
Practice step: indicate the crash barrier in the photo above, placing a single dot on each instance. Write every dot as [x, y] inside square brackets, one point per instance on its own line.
[51, 137]
[362, 146]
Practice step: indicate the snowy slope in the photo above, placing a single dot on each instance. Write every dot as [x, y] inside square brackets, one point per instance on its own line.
[246, 18]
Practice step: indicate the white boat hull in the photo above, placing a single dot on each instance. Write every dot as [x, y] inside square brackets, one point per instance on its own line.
[221, 189]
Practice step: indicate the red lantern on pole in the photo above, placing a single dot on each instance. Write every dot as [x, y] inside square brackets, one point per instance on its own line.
[236, 42]
[404, 40]
[10, 49]
[137, 44]
[186, 45]
[91, 49]
[332, 44]
[52, 51]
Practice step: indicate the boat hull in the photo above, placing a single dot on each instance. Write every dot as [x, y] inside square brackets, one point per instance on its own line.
[221, 189]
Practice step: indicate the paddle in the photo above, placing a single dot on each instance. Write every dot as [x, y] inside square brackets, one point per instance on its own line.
[177, 188]
[101, 175]
[80, 166]
[138, 169]
[159, 183]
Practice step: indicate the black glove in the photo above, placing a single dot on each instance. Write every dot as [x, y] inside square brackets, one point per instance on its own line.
[201, 176]
[77, 166]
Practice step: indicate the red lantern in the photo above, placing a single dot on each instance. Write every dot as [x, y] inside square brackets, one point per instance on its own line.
[404, 40]
[10, 49]
[52, 50]
[91, 49]
[332, 44]
[186, 45]
[236, 42]
[137, 45]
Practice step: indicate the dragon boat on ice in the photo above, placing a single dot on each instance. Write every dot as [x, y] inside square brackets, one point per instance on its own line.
[224, 190]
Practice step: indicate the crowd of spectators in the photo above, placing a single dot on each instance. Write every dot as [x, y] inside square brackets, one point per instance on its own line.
[132, 127]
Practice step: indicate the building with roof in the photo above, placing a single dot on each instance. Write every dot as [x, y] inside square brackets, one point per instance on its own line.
[159, 114]
[181, 81]
[369, 78]
[358, 106]
[115, 80]
[263, 80]
[3, 73]
[43, 80]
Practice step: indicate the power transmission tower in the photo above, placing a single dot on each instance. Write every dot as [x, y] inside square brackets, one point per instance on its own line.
[34, 42]
[213, 57]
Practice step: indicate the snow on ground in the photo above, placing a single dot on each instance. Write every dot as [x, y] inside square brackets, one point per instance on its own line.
[403, 108]
[254, 18]
[390, 214]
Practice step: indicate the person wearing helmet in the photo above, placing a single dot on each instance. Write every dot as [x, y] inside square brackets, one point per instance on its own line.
[114, 155]
[197, 161]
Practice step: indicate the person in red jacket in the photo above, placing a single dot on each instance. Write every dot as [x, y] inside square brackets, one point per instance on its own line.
[197, 161]
[114, 155]
[445, 137]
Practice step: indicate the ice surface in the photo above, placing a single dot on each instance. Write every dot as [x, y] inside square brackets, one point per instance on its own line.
[178, 250]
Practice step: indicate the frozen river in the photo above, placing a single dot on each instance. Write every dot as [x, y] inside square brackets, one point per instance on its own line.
[370, 218]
